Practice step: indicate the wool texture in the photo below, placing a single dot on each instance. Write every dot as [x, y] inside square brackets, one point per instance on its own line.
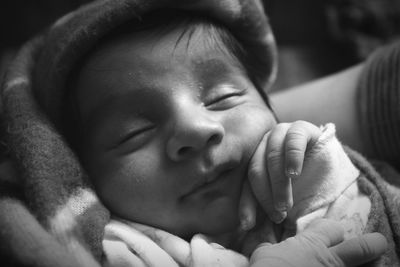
[378, 104]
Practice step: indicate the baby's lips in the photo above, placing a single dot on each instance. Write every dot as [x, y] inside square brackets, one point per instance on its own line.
[203, 178]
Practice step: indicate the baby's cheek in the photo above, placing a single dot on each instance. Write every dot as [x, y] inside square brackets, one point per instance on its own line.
[249, 125]
[221, 215]
[120, 180]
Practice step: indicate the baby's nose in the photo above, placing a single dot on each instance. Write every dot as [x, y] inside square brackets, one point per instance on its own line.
[192, 133]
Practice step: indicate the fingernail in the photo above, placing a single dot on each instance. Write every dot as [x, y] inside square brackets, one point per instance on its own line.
[291, 173]
[246, 224]
[281, 206]
[278, 217]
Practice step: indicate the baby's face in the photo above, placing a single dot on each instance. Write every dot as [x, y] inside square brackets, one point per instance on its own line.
[169, 128]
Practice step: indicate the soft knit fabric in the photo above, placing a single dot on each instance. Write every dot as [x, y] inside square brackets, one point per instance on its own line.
[365, 24]
[385, 210]
[379, 103]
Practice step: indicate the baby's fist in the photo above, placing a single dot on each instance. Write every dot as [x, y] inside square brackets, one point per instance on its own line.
[278, 158]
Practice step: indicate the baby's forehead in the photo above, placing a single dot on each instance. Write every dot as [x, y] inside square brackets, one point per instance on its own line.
[140, 57]
[149, 54]
[136, 70]
[149, 62]
[200, 39]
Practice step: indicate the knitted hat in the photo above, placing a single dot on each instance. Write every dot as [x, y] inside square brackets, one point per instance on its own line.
[54, 185]
[75, 34]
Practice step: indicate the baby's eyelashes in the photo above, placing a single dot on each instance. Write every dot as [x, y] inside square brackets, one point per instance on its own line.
[137, 133]
[134, 138]
[224, 102]
[224, 97]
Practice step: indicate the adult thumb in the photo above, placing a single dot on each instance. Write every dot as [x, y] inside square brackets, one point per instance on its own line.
[361, 250]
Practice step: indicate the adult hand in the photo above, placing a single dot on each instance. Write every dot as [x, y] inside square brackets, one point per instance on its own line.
[321, 244]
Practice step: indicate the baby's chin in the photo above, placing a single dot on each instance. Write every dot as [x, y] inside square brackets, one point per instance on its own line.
[218, 218]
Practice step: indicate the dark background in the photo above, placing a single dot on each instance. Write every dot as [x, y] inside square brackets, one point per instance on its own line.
[315, 37]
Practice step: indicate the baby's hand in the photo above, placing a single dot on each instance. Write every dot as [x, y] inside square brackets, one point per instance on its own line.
[278, 158]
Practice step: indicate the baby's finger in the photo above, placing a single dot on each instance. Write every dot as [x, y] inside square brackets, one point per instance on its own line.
[247, 208]
[280, 184]
[298, 137]
[258, 177]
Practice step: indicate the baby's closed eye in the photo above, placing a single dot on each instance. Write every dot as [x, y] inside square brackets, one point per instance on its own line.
[224, 97]
[134, 137]
[137, 133]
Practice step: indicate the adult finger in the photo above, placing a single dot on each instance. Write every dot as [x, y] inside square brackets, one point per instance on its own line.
[329, 232]
[247, 208]
[360, 250]
[280, 184]
[258, 177]
[299, 136]
[175, 246]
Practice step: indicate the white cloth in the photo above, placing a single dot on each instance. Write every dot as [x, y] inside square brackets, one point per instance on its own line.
[132, 244]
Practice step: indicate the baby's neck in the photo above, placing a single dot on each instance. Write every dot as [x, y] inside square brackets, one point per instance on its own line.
[245, 242]
[229, 239]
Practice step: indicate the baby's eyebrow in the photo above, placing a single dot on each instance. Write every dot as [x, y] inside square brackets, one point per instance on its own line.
[212, 65]
[131, 104]
[214, 70]
[109, 109]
